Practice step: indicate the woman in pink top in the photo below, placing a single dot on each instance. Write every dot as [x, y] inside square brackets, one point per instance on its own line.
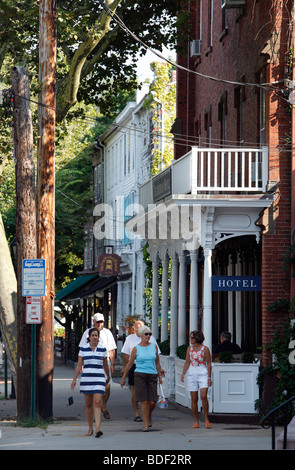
[198, 368]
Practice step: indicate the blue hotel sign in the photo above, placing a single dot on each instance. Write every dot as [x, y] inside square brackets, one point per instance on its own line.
[236, 283]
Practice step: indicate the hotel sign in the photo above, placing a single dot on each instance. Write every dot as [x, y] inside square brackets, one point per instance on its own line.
[236, 283]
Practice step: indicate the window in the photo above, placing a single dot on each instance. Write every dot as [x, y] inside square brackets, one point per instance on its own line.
[210, 25]
[199, 12]
[239, 100]
[198, 131]
[88, 250]
[262, 112]
[97, 176]
[208, 125]
[222, 113]
[128, 214]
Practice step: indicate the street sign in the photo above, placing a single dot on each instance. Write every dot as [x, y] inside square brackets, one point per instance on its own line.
[34, 310]
[33, 277]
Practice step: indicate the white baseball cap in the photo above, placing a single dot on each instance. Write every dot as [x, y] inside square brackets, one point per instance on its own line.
[98, 317]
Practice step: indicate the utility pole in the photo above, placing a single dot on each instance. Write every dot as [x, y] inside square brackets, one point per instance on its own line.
[46, 200]
[292, 287]
[25, 226]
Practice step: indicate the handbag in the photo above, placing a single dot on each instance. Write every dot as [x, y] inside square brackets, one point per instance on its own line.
[162, 402]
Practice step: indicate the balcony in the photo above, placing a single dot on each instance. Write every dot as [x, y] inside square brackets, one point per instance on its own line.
[211, 172]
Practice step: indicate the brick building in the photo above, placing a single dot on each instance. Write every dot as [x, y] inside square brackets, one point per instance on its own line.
[249, 45]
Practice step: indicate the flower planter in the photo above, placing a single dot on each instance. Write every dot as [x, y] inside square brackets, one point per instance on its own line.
[234, 387]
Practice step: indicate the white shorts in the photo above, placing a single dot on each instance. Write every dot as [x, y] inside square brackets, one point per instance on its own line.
[197, 378]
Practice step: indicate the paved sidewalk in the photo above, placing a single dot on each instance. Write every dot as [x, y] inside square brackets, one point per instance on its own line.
[171, 431]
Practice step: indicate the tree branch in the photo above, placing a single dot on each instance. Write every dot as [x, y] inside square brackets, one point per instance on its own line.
[67, 89]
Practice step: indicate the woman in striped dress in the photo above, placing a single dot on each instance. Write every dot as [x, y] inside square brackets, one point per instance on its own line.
[93, 360]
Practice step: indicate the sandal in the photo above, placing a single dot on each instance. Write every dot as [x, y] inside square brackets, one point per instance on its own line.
[208, 425]
[98, 434]
[195, 425]
[145, 429]
[90, 432]
[137, 419]
[106, 414]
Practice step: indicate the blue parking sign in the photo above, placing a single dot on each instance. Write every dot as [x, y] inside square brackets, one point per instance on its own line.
[33, 277]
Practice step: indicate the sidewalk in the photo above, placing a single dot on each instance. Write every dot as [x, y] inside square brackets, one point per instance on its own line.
[171, 431]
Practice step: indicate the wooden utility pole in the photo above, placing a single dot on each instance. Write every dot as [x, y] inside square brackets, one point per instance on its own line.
[25, 226]
[46, 200]
[292, 286]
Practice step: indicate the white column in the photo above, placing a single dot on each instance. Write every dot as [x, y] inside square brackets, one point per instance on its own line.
[129, 292]
[238, 308]
[164, 315]
[155, 299]
[207, 299]
[182, 301]
[174, 304]
[120, 307]
[230, 325]
[193, 313]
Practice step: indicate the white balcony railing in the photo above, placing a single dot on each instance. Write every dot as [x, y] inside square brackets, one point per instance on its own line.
[210, 171]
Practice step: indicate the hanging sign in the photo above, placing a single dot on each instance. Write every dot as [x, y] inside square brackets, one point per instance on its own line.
[109, 265]
[236, 283]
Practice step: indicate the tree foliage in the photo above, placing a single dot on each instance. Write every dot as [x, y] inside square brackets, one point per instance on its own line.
[96, 58]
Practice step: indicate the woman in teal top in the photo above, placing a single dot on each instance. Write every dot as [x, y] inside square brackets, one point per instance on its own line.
[146, 374]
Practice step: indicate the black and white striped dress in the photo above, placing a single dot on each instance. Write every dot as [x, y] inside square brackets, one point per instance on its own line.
[93, 376]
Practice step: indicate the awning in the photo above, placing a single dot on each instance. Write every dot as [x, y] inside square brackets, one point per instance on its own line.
[101, 284]
[75, 286]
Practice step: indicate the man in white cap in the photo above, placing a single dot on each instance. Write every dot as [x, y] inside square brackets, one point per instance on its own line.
[107, 340]
[131, 341]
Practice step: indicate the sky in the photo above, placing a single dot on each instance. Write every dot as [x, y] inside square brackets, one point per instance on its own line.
[143, 65]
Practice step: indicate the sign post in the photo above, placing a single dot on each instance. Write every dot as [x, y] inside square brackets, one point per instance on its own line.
[33, 288]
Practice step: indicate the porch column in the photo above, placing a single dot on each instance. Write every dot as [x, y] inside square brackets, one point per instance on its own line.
[193, 313]
[164, 315]
[120, 308]
[230, 298]
[207, 299]
[174, 304]
[238, 339]
[155, 299]
[182, 301]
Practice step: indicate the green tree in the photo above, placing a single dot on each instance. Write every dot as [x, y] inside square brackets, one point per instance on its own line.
[162, 101]
[96, 57]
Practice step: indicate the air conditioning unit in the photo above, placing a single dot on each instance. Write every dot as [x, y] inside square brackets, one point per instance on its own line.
[196, 48]
[232, 3]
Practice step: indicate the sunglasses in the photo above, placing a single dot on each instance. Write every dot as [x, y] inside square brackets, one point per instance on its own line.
[148, 334]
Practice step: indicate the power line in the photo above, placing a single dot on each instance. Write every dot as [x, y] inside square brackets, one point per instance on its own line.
[123, 26]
